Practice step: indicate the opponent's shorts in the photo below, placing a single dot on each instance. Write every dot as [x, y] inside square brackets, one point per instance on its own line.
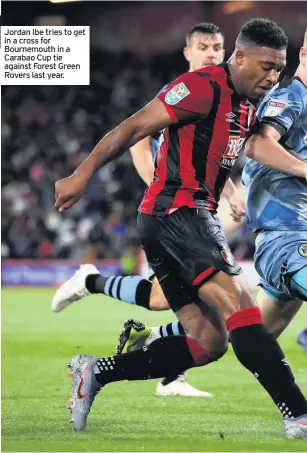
[278, 256]
[185, 249]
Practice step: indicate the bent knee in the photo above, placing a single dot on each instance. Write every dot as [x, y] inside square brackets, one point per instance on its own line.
[214, 347]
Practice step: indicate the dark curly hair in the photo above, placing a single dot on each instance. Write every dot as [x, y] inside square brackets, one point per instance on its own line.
[262, 32]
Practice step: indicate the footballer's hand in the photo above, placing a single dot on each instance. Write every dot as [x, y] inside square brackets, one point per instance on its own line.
[68, 191]
[237, 206]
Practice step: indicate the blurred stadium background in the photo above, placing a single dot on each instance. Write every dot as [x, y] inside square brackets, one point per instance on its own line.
[136, 48]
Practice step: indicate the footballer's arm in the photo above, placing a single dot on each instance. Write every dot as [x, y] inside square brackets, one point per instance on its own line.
[263, 147]
[142, 160]
[152, 118]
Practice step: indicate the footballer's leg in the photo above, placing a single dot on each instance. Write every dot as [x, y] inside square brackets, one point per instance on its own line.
[87, 280]
[157, 300]
[134, 335]
[207, 264]
[276, 314]
[163, 357]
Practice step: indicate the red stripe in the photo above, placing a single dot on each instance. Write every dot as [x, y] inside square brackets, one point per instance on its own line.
[157, 186]
[219, 140]
[171, 112]
[244, 318]
[189, 185]
[203, 275]
[243, 117]
[200, 356]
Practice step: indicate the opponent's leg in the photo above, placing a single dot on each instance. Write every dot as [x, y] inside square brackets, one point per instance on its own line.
[276, 314]
[87, 280]
[298, 285]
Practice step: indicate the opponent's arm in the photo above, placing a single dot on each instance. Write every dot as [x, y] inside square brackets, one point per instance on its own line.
[236, 202]
[263, 147]
[143, 160]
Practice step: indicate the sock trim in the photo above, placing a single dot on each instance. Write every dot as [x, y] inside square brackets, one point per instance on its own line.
[244, 318]
[107, 285]
[119, 287]
[169, 329]
[200, 356]
[175, 328]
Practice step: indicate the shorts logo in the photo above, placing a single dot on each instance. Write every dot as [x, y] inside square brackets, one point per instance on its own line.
[176, 94]
[227, 255]
[274, 107]
[302, 250]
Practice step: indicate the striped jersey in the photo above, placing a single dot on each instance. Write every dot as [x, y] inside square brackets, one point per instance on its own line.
[196, 156]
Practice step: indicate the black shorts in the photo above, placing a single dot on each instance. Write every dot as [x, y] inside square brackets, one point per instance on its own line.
[185, 249]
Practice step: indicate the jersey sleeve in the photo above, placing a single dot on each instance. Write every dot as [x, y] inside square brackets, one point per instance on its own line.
[189, 92]
[281, 109]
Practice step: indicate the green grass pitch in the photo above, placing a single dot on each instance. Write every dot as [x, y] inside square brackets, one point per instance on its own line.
[126, 416]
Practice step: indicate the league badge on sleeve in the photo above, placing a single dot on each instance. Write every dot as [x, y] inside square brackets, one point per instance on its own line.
[176, 94]
[274, 107]
[302, 250]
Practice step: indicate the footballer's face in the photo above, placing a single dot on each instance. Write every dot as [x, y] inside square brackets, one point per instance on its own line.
[204, 49]
[259, 69]
[303, 58]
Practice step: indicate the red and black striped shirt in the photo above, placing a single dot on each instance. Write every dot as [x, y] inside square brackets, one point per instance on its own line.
[196, 158]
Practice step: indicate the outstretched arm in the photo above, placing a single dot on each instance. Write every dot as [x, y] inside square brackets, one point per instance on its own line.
[263, 147]
[188, 99]
[145, 122]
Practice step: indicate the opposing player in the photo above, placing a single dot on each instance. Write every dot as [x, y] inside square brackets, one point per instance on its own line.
[203, 115]
[204, 47]
[302, 339]
[278, 212]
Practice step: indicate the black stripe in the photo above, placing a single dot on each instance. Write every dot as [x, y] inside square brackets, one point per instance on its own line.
[169, 329]
[181, 329]
[173, 180]
[202, 138]
[118, 288]
[234, 129]
[111, 287]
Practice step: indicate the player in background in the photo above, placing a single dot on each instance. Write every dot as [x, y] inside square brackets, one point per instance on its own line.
[302, 339]
[204, 47]
[183, 242]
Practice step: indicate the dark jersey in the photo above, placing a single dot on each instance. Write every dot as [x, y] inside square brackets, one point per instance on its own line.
[196, 156]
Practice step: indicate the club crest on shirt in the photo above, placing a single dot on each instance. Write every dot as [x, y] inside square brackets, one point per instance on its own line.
[176, 94]
[302, 250]
[228, 257]
[274, 107]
